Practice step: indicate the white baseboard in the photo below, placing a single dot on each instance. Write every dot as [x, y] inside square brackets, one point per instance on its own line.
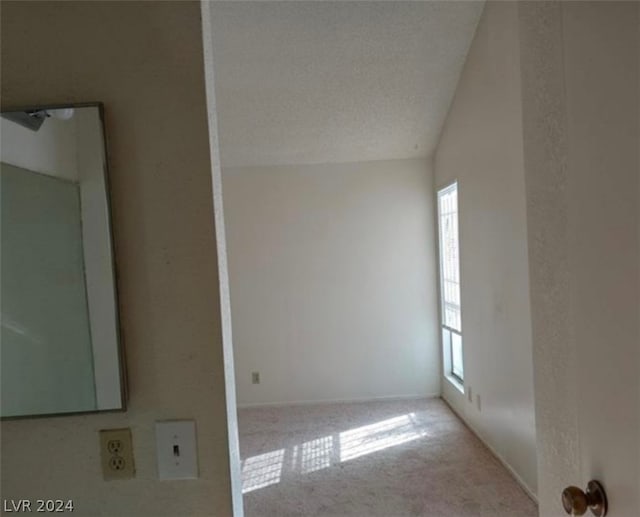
[498, 456]
[337, 401]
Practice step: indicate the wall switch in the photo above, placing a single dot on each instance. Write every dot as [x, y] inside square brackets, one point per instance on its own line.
[116, 454]
[478, 402]
[255, 377]
[176, 449]
[469, 394]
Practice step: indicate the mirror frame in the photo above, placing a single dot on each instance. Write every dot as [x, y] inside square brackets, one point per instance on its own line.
[122, 363]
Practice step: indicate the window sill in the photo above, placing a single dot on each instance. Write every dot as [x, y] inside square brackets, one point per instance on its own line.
[456, 383]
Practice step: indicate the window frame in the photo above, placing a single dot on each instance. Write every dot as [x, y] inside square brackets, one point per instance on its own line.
[448, 358]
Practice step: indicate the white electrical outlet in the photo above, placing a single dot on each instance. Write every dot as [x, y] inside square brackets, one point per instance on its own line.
[255, 377]
[176, 449]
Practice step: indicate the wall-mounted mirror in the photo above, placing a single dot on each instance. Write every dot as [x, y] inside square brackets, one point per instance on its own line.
[59, 344]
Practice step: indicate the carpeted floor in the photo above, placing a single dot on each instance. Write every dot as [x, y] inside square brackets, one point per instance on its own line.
[391, 458]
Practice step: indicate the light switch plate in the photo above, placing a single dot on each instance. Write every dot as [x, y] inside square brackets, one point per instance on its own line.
[176, 449]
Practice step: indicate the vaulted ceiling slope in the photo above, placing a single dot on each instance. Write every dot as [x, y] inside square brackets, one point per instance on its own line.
[323, 82]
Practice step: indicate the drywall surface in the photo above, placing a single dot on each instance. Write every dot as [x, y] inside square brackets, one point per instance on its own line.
[332, 277]
[144, 61]
[581, 131]
[319, 82]
[555, 361]
[481, 147]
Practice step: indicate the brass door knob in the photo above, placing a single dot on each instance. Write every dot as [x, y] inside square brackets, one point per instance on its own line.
[576, 502]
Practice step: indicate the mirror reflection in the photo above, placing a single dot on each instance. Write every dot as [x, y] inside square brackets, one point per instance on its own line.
[59, 345]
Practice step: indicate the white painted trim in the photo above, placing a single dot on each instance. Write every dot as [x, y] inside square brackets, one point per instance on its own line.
[338, 401]
[455, 383]
[223, 273]
[499, 457]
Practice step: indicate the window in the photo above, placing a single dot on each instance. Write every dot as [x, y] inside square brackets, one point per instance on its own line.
[450, 281]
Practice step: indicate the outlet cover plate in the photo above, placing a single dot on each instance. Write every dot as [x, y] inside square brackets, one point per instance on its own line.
[176, 449]
[116, 454]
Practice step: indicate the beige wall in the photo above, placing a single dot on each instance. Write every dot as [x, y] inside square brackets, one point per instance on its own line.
[581, 90]
[144, 61]
[481, 147]
[333, 281]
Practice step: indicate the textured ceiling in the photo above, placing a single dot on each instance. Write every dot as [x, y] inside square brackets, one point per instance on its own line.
[316, 82]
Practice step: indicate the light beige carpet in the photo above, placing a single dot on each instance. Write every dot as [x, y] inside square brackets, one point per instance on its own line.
[390, 458]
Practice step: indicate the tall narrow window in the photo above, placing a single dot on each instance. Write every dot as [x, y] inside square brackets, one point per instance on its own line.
[450, 281]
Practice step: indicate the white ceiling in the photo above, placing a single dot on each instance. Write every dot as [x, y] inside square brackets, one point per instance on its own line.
[316, 82]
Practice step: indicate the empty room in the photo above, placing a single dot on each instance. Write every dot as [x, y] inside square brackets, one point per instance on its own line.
[357, 144]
